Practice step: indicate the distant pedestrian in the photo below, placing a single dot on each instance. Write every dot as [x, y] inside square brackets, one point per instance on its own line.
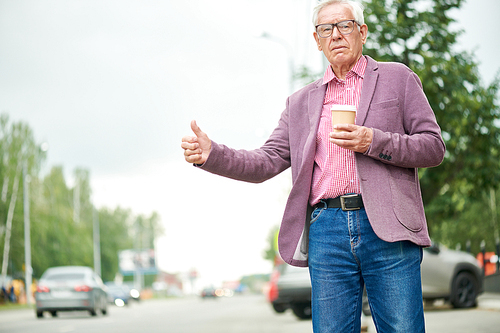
[4, 295]
[12, 294]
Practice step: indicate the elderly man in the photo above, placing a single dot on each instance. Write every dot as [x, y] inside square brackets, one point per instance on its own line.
[354, 214]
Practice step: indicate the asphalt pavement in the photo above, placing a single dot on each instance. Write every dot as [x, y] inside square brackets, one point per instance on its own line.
[489, 301]
[238, 314]
[442, 318]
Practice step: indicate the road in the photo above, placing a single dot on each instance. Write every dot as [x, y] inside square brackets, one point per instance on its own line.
[239, 314]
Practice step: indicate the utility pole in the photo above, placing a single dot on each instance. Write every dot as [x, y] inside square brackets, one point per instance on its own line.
[97, 242]
[493, 206]
[138, 278]
[10, 216]
[76, 200]
[289, 51]
[27, 235]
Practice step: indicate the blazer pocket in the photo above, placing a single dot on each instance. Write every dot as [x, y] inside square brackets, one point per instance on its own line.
[384, 105]
[404, 174]
[405, 198]
[385, 115]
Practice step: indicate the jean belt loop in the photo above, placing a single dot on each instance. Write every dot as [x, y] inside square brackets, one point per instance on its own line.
[325, 204]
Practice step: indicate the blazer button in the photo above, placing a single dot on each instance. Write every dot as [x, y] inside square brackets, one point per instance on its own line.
[389, 158]
[381, 155]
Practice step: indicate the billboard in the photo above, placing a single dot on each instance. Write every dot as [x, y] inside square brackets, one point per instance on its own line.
[141, 261]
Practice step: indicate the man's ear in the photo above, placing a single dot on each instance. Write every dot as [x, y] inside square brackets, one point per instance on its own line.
[316, 38]
[363, 30]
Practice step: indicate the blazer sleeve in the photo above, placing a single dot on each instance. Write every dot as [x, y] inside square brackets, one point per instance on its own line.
[410, 136]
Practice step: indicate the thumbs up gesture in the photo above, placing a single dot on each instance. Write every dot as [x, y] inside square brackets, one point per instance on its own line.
[196, 148]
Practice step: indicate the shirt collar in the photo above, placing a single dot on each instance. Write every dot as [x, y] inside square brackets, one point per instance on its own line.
[358, 69]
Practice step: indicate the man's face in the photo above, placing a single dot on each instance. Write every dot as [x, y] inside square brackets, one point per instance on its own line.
[342, 51]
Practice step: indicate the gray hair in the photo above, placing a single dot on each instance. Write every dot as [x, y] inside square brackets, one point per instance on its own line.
[357, 9]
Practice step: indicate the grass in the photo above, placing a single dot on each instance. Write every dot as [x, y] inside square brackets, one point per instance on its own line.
[10, 306]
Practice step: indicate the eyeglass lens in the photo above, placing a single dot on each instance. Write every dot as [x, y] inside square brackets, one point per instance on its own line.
[326, 30]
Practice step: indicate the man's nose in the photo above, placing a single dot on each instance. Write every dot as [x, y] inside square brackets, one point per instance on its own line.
[336, 35]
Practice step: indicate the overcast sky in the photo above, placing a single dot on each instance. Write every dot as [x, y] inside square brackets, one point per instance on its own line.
[112, 86]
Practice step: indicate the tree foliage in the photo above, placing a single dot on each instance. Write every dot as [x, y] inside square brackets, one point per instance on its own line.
[61, 226]
[457, 194]
[420, 34]
[271, 251]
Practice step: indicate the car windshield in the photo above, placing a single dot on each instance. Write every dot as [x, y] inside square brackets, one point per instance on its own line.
[65, 276]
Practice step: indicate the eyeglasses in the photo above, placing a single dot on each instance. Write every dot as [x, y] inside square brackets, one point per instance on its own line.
[326, 30]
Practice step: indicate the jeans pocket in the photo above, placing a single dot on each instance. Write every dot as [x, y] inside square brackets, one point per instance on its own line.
[316, 214]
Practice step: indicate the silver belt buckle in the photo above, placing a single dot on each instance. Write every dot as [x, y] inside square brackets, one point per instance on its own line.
[342, 201]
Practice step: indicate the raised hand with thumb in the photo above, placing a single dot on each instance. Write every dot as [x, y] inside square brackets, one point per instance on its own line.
[196, 148]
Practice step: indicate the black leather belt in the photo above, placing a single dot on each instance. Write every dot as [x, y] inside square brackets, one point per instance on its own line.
[346, 202]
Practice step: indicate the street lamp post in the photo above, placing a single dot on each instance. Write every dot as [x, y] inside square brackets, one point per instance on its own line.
[28, 270]
[97, 241]
[289, 51]
[27, 235]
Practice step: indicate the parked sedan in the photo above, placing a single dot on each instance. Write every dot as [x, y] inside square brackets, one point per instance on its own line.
[70, 288]
[454, 276]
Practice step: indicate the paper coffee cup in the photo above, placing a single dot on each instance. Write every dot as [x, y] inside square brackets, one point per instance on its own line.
[343, 114]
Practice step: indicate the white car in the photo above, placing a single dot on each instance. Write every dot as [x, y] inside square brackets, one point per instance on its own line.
[451, 275]
[454, 276]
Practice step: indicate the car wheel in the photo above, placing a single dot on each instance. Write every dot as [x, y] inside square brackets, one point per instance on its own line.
[53, 313]
[104, 309]
[279, 308]
[39, 314]
[464, 291]
[302, 310]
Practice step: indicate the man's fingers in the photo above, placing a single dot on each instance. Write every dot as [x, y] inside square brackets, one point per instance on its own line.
[190, 142]
[345, 127]
[355, 138]
[196, 129]
[196, 148]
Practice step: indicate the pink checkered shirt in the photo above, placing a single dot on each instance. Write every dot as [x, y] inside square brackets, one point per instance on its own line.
[335, 167]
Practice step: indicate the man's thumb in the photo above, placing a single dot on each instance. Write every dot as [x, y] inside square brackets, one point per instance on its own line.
[196, 129]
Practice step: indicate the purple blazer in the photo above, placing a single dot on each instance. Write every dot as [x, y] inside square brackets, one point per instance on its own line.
[406, 136]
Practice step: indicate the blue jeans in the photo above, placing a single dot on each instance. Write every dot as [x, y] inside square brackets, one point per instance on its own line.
[345, 255]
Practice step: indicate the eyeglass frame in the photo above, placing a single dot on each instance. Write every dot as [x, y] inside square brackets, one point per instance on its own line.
[335, 25]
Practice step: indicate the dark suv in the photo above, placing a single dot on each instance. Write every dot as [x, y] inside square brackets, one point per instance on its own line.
[290, 288]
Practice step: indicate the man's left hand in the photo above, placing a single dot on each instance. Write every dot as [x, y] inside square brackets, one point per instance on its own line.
[353, 137]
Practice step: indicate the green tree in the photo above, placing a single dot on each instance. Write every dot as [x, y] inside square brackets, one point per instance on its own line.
[21, 157]
[146, 229]
[55, 236]
[61, 216]
[115, 229]
[418, 34]
[272, 247]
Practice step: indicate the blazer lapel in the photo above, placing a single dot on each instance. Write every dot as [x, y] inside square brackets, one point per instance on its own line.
[308, 131]
[369, 84]
[314, 109]
[315, 105]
